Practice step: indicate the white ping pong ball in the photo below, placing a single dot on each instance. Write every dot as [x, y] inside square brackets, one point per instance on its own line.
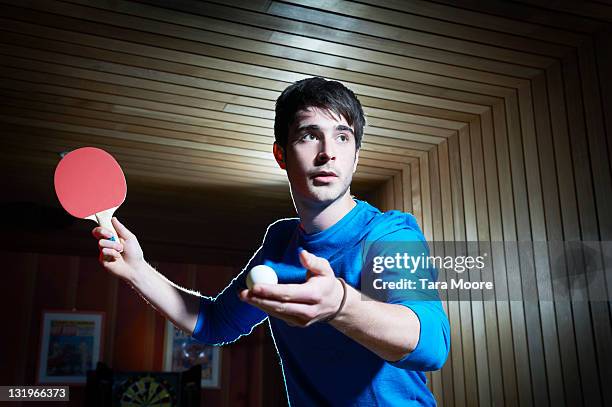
[261, 275]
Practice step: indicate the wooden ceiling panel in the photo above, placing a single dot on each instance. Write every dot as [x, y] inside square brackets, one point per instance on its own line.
[189, 87]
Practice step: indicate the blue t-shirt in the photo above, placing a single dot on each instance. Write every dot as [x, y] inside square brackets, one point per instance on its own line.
[321, 365]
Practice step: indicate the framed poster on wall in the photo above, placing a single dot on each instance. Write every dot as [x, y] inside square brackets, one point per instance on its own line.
[70, 345]
[181, 352]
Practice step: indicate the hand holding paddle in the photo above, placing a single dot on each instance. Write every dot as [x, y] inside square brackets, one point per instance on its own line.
[90, 184]
[123, 257]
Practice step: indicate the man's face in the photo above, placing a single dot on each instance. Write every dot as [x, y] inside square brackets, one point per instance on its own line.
[321, 156]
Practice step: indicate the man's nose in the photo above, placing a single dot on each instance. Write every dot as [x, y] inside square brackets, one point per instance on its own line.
[327, 152]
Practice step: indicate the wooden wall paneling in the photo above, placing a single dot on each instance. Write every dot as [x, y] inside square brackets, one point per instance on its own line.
[539, 288]
[150, 149]
[427, 224]
[456, 352]
[410, 48]
[95, 92]
[505, 24]
[519, 130]
[603, 47]
[435, 193]
[387, 195]
[494, 367]
[168, 155]
[50, 293]
[471, 235]
[211, 280]
[424, 119]
[602, 188]
[406, 188]
[412, 17]
[424, 38]
[499, 269]
[440, 117]
[517, 313]
[587, 228]
[134, 337]
[135, 170]
[559, 336]
[18, 313]
[171, 164]
[517, 11]
[595, 10]
[140, 137]
[369, 35]
[545, 122]
[417, 203]
[409, 124]
[441, 380]
[313, 58]
[398, 192]
[281, 31]
[117, 60]
[464, 300]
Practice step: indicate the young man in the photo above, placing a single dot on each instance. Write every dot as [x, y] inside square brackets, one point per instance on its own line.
[337, 347]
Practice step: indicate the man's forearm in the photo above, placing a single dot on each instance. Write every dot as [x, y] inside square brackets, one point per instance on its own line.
[172, 301]
[389, 330]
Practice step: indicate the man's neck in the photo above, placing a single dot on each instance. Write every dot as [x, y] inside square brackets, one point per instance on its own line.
[318, 218]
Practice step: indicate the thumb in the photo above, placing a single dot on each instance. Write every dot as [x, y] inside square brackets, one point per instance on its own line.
[315, 265]
[122, 231]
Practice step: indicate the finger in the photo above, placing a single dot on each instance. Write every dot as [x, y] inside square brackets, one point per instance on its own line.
[316, 265]
[122, 231]
[100, 232]
[243, 295]
[110, 244]
[281, 309]
[110, 254]
[299, 293]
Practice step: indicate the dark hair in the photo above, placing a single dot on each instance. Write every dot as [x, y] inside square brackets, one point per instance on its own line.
[321, 93]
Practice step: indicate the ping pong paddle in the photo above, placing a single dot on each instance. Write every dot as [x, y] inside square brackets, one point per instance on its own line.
[90, 184]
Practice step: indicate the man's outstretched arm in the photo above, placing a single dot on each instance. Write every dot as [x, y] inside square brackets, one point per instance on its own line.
[125, 260]
[392, 331]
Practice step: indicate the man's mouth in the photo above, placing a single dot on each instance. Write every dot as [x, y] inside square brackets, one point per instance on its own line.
[323, 176]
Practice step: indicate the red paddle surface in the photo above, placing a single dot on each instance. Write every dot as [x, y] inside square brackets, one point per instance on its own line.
[88, 181]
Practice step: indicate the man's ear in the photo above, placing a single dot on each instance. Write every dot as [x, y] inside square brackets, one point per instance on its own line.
[279, 155]
[356, 160]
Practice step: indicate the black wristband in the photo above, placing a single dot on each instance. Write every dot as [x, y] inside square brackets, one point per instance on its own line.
[335, 314]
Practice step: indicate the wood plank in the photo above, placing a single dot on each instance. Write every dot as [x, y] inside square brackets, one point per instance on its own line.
[417, 203]
[399, 20]
[525, 289]
[488, 308]
[600, 175]
[374, 85]
[456, 351]
[587, 228]
[517, 314]
[272, 28]
[572, 394]
[491, 22]
[499, 269]
[442, 381]
[476, 303]
[464, 303]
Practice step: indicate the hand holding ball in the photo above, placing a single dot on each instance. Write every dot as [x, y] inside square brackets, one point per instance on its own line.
[261, 275]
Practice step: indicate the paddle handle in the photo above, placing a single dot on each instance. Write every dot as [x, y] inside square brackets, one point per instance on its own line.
[104, 220]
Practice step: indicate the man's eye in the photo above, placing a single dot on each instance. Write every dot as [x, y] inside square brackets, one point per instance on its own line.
[343, 138]
[308, 137]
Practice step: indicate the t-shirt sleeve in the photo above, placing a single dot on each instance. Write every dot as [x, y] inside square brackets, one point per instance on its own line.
[396, 272]
[226, 318]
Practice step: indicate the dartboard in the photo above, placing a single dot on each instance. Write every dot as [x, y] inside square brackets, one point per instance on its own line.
[147, 391]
